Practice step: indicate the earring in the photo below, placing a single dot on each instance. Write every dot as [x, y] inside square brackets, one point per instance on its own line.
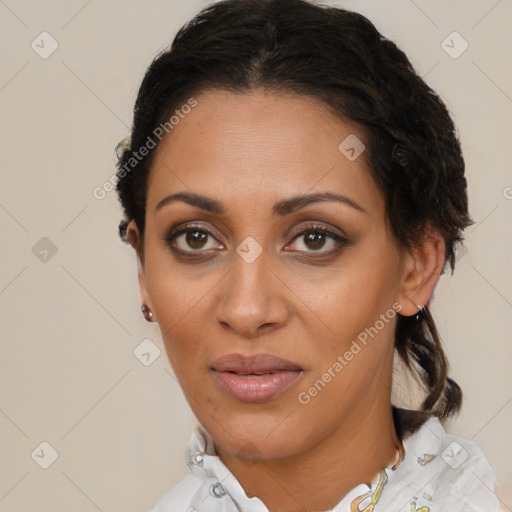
[419, 314]
[148, 314]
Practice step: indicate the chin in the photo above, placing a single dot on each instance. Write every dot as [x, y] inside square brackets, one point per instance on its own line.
[251, 437]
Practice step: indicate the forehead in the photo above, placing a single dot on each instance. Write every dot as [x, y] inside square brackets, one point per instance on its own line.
[263, 146]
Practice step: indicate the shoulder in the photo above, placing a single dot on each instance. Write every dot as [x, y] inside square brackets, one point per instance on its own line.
[443, 471]
[467, 475]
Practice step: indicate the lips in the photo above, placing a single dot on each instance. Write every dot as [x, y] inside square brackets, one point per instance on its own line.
[259, 363]
[254, 379]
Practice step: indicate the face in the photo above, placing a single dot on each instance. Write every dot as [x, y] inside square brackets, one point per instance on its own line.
[268, 269]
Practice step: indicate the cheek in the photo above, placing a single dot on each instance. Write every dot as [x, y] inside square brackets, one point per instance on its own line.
[178, 302]
[346, 302]
[348, 309]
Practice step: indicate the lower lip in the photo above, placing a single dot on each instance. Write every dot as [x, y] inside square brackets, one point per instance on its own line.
[256, 388]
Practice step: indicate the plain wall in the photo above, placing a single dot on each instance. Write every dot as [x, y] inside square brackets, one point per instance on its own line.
[70, 323]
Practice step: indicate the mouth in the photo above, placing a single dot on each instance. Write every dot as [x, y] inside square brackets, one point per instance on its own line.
[255, 379]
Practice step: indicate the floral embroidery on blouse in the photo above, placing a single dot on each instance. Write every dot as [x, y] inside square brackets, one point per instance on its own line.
[383, 478]
[354, 506]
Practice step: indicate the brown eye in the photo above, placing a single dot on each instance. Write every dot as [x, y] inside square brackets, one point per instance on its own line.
[318, 239]
[196, 239]
[314, 240]
[192, 241]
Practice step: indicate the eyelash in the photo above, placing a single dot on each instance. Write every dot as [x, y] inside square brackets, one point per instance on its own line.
[313, 228]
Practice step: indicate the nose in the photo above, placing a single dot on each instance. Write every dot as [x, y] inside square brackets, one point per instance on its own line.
[253, 300]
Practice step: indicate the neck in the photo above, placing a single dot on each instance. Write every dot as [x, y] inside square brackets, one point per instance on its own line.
[356, 452]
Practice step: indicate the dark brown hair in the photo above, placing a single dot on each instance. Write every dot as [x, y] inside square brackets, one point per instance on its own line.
[340, 58]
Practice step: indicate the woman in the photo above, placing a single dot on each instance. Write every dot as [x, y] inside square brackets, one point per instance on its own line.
[293, 191]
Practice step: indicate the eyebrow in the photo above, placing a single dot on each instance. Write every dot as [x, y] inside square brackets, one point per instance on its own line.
[284, 207]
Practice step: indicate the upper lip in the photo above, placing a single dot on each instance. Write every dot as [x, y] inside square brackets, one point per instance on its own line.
[259, 363]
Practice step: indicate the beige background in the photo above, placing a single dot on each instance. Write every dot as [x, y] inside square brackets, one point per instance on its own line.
[70, 323]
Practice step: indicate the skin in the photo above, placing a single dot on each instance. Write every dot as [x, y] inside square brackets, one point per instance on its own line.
[297, 301]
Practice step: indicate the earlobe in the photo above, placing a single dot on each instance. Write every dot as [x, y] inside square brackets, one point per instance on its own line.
[423, 266]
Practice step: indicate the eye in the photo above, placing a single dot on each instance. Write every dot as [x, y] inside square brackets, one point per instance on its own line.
[196, 240]
[318, 239]
[192, 239]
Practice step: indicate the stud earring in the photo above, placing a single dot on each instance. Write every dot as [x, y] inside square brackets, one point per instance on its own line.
[148, 314]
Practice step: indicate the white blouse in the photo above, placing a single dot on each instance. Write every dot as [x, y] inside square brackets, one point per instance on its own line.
[440, 473]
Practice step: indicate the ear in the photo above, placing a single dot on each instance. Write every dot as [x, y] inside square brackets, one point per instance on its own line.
[133, 235]
[423, 266]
